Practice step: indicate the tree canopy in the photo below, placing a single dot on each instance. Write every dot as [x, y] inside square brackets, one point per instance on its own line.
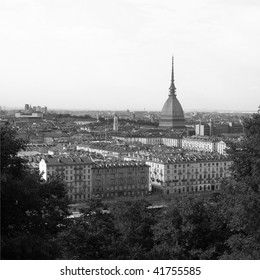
[32, 211]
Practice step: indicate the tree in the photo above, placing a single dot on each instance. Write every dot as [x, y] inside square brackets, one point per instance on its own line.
[134, 221]
[32, 211]
[240, 196]
[191, 228]
[11, 164]
[91, 236]
[124, 231]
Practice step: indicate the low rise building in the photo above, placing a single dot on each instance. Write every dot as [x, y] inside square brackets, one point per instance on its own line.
[106, 150]
[32, 115]
[167, 141]
[204, 144]
[198, 144]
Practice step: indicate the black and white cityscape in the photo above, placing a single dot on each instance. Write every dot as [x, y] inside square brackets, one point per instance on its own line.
[130, 130]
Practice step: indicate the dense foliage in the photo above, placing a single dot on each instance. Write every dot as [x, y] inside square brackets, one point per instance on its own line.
[224, 226]
[33, 212]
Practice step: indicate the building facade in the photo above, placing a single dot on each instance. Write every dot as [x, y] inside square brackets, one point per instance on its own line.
[76, 172]
[29, 115]
[198, 144]
[188, 174]
[203, 129]
[112, 180]
[204, 144]
[115, 123]
[167, 141]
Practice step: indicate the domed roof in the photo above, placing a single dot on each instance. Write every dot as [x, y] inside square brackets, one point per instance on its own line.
[172, 108]
[172, 115]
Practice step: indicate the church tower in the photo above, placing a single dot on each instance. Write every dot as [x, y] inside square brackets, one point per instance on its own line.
[172, 115]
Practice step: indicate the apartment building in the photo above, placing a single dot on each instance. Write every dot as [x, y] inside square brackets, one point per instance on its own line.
[167, 141]
[188, 173]
[205, 144]
[111, 180]
[198, 144]
[76, 172]
[105, 151]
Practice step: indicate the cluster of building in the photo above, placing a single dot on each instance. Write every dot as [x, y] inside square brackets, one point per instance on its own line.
[137, 175]
[85, 179]
[35, 112]
[195, 143]
[210, 129]
[110, 161]
[29, 109]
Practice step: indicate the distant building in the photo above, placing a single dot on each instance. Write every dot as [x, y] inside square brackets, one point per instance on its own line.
[167, 141]
[44, 110]
[218, 129]
[236, 127]
[221, 147]
[203, 144]
[172, 115]
[118, 152]
[203, 129]
[112, 180]
[115, 124]
[35, 115]
[77, 175]
[29, 109]
[198, 144]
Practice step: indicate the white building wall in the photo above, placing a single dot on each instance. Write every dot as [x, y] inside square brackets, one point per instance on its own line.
[43, 169]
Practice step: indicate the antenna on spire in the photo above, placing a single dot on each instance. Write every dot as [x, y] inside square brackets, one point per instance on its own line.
[172, 69]
[172, 87]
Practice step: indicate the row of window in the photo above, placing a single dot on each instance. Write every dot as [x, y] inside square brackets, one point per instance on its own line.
[194, 165]
[128, 193]
[79, 197]
[193, 189]
[119, 188]
[78, 190]
[116, 170]
[70, 168]
[189, 177]
[201, 176]
[78, 184]
[77, 177]
[198, 164]
[196, 170]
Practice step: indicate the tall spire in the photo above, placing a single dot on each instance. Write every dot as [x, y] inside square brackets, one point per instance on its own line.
[172, 87]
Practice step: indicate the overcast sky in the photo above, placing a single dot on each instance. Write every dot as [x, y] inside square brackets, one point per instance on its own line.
[116, 54]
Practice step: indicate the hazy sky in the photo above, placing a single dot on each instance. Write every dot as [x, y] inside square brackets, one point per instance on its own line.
[116, 54]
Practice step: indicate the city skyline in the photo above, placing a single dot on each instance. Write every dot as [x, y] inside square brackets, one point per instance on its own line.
[117, 55]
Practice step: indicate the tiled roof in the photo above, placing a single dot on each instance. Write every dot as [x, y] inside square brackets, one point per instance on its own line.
[119, 164]
[68, 160]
